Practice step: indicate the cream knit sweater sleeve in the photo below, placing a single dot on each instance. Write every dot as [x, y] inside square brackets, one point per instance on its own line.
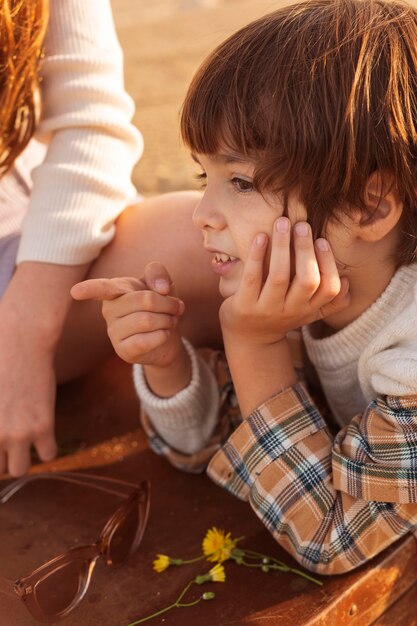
[85, 180]
[185, 421]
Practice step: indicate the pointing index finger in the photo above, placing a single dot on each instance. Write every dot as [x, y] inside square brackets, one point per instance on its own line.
[105, 288]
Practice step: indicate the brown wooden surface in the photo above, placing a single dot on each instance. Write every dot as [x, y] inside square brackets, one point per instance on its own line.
[94, 415]
[403, 612]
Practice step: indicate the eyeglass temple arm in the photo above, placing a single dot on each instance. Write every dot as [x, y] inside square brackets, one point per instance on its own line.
[85, 480]
[7, 587]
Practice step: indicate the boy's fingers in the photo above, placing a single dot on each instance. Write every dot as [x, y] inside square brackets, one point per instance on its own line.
[307, 274]
[252, 276]
[340, 302]
[158, 278]
[105, 288]
[140, 322]
[278, 278]
[137, 301]
[133, 348]
[329, 276]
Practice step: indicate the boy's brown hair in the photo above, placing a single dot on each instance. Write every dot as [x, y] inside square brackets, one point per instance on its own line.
[320, 95]
[22, 29]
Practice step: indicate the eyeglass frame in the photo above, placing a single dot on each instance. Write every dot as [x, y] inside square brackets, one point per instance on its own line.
[24, 587]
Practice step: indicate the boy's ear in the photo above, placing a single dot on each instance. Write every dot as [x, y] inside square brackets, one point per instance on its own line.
[384, 207]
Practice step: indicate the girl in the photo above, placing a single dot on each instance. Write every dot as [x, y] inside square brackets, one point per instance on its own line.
[51, 232]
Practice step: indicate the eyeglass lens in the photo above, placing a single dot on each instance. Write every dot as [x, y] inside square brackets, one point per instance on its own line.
[58, 590]
[125, 534]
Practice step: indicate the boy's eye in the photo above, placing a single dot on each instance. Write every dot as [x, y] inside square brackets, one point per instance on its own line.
[241, 185]
[202, 178]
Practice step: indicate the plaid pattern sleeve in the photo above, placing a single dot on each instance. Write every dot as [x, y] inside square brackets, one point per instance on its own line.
[332, 503]
[375, 457]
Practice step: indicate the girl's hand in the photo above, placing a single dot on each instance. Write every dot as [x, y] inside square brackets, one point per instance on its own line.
[141, 323]
[262, 311]
[27, 398]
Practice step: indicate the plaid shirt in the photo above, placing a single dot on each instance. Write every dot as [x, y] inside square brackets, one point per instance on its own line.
[332, 502]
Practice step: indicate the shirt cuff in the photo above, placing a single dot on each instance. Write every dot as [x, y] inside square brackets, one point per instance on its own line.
[186, 420]
[273, 428]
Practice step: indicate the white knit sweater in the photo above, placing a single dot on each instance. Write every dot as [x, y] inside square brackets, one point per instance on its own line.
[84, 181]
[375, 355]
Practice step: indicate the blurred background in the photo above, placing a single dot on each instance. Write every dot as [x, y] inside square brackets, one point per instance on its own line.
[164, 42]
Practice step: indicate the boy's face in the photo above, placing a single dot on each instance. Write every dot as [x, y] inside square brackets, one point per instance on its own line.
[232, 212]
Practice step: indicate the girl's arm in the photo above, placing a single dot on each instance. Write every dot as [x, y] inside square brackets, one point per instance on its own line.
[84, 182]
[32, 312]
[79, 190]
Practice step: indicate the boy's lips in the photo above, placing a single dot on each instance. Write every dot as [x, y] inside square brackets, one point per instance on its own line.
[222, 257]
[217, 251]
[222, 262]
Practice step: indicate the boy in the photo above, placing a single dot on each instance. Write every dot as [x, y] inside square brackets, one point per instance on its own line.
[305, 126]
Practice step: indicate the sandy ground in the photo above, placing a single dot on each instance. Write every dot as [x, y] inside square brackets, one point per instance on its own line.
[164, 42]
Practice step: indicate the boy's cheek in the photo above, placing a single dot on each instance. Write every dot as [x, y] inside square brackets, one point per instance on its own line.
[228, 288]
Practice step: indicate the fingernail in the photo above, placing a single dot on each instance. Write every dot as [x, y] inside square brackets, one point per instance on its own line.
[181, 307]
[322, 245]
[161, 284]
[281, 225]
[174, 321]
[260, 240]
[301, 228]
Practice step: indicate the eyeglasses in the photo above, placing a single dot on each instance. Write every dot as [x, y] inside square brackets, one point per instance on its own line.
[56, 588]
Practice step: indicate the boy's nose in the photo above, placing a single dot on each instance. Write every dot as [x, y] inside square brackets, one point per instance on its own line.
[207, 216]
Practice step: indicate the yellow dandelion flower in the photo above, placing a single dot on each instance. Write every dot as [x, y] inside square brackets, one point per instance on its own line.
[161, 563]
[217, 574]
[217, 545]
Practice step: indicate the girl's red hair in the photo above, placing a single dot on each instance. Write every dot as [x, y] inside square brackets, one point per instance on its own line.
[22, 30]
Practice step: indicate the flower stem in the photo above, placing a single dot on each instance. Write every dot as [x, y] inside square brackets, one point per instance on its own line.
[258, 555]
[198, 558]
[299, 572]
[276, 564]
[168, 608]
[183, 592]
[145, 619]
[189, 603]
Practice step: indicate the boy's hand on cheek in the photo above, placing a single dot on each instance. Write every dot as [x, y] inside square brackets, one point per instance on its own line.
[263, 310]
[142, 322]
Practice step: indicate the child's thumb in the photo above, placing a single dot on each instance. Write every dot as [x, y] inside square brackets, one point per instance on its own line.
[158, 279]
